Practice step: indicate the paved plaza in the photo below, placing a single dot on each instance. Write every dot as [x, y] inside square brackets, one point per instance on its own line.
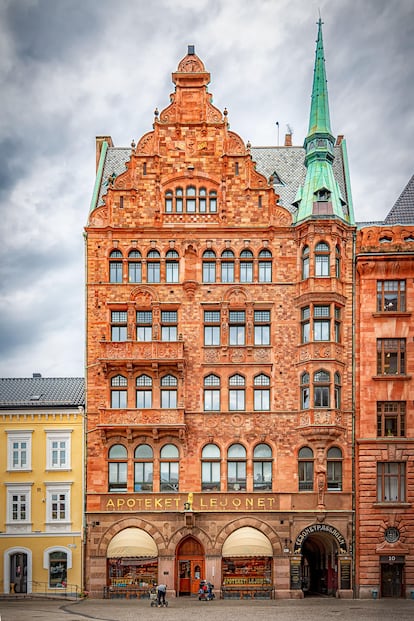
[312, 609]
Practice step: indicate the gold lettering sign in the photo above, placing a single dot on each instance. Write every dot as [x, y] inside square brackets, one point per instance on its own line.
[200, 503]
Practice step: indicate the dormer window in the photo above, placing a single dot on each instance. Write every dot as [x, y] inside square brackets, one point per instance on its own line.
[323, 195]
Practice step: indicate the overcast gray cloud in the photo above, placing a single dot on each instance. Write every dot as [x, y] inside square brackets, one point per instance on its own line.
[74, 69]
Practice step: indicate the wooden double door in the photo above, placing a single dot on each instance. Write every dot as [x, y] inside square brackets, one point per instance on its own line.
[190, 566]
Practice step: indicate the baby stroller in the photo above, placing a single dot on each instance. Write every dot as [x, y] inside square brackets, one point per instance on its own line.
[205, 593]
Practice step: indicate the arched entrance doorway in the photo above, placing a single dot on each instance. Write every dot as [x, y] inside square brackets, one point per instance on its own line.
[320, 546]
[18, 572]
[190, 566]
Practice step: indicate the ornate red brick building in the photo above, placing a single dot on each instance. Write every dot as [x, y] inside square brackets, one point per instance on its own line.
[384, 405]
[219, 356]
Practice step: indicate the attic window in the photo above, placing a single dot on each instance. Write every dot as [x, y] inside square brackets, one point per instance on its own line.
[322, 195]
[385, 240]
[35, 398]
[410, 238]
[276, 179]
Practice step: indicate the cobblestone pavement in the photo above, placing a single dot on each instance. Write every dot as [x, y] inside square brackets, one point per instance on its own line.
[315, 609]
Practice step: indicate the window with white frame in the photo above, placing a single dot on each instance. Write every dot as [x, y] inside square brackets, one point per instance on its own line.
[19, 450]
[58, 503]
[18, 507]
[58, 450]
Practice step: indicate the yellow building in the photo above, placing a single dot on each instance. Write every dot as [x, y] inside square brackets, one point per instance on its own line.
[41, 484]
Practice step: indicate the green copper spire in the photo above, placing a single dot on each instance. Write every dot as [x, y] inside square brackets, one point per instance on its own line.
[320, 195]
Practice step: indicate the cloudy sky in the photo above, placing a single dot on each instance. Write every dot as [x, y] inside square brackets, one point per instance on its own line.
[74, 69]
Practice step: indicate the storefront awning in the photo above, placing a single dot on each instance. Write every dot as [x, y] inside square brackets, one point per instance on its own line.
[247, 541]
[132, 542]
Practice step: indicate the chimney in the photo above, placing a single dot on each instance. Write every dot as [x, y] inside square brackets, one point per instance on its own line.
[37, 375]
[288, 140]
[99, 142]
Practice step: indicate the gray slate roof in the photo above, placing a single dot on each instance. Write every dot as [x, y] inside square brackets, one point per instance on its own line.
[41, 392]
[286, 162]
[403, 210]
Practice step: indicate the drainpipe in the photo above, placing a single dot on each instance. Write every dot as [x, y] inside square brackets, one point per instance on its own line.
[354, 381]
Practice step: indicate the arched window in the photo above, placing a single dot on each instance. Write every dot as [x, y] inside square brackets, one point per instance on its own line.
[337, 389]
[212, 393]
[305, 262]
[237, 397]
[202, 201]
[115, 266]
[236, 468]
[209, 266]
[169, 467]
[334, 469]
[144, 392]
[179, 200]
[261, 392]
[169, 385]
[321, 389]
[322, 259]
[262, 468]
[227, 266]
[304, 391]
[172, 266]
[168, 201]
[117, 468]
[190, 199]
[265, 266]
[153, 266]
[134, 266]
[143, 468]
[119, 391]
[210, 468]
[246, 266]
[305, 469]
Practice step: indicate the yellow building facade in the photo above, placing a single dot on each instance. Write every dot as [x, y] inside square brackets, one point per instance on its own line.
[42, 485]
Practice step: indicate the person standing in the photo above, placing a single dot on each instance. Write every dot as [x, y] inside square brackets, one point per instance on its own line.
[161, 591]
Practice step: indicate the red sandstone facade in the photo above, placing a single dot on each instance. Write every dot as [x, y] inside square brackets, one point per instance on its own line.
[219, 420]
[384, 447]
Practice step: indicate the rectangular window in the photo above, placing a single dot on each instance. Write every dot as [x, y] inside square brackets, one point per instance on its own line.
[391, 482]
[153, 272]
[265, 271]
[391, 419]
[321, 323]
[209, 271]
[211, 328]
[169, 476]
[115, 271]
[118, 399]
[227, 271]
[169, 325]
[246, 271]
[169, 399]
[134, 271]
[390, 296]
[305, 325]
[144, 325]
[119, 325]
[117, 474]
[334, 476]
[262, 399]
[19, 450]
[305, 476]
[211, 400]
[171, 271]
[236, 399]
[236, 476]
[18, 508]
[237, 328]
[58, 503]
[321, 265]
[58, 448]
[321, 396]
[337, 324]
[144, 399]
[210, 475]
[390, 356]
[262, 327]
